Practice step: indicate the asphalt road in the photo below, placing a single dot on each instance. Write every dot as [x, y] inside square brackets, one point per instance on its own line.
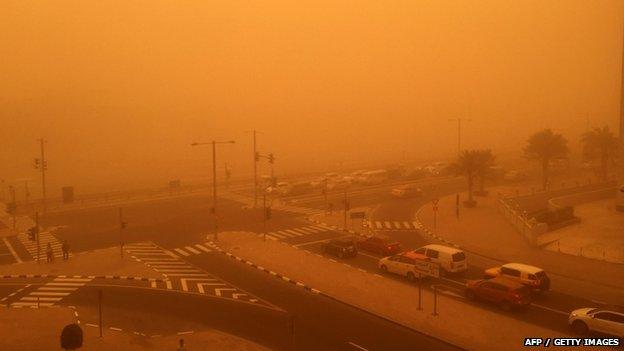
[320, 323]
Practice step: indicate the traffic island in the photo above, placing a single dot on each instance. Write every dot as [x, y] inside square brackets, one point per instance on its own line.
[91, 263]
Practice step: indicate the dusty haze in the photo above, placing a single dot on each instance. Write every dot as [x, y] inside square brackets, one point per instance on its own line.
[121, 88]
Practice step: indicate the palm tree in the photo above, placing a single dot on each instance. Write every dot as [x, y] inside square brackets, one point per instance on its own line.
[484, 171]
[467, 165]
[546, 146]
[600, 144]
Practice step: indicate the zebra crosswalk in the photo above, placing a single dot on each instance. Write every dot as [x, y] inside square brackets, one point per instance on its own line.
[393, 225]
[182, 275]
[297, 232]
[51, 292]
[44, 239]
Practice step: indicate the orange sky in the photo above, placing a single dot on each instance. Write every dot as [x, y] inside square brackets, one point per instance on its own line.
[120, 88]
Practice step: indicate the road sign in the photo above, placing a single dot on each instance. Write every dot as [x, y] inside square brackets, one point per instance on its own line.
[355, 215]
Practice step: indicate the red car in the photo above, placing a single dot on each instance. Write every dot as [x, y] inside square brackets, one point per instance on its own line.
[504, 292]
[379, 245]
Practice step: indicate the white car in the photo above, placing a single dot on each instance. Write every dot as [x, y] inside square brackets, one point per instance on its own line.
[603, 320]
[410, 265]
[450, 259]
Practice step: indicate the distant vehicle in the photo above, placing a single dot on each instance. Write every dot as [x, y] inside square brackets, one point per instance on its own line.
[380, 245]
[406, 191]
[374, 177]
[608, 320]
[533, 277]
[409, 264]
[431, 170]
[450, 259]
[515, 176]
[504, 292]
[417, 173]
[340, 247]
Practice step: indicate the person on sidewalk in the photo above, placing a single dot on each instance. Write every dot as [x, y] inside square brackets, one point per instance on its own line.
[49, 253]
[182, 346]
[65, 248]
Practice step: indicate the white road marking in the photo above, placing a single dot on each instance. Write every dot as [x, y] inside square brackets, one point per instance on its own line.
[182, 252]
[397, 225]
[8, 245]
[357, 346]
[193, 250]
[295, 233]
[203, 248]
[277, 235]
[387, 224]
[218, 291]
[378, 224]
[321, 241]
[551, 309]
[407, 225]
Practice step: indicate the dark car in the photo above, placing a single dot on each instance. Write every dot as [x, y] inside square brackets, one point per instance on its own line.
[379, 244]
[502, 291]
[340, 248]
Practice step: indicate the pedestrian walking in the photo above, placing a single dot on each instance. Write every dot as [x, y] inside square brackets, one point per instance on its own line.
[65, 248]
[49, 253]
[182, 346]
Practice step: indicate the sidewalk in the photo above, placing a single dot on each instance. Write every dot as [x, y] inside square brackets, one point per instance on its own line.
[482, 230]
[98, 262]
[27, 329]
[482, 330]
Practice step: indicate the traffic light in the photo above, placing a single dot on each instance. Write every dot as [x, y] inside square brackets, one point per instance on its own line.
[124, 225]
[32, 233]
[271, 158]
[37, 163]
[267, 213]
[257, 156]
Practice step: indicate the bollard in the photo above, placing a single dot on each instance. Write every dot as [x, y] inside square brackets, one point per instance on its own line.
[435, 300]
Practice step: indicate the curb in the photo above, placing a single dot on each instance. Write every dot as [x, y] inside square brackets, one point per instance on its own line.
[117, 277]
[318, 292]
[432, 234]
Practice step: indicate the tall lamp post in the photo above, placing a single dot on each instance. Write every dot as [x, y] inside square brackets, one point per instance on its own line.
[214, 179]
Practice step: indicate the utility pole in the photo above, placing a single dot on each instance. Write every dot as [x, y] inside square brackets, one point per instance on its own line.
[37, 233]
[264, 214]
[42, 165]
[346, 209]
[459, 122]
[214, 189]
[619, 204]
[13, 205]
[255, 163]
[122, 226]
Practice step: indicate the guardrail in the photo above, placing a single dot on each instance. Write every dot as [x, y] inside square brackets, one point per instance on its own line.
[515, 207]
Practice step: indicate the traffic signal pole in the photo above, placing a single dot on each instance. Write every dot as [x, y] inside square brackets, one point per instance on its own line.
[13, 206]
[44, 166]
[37, 235]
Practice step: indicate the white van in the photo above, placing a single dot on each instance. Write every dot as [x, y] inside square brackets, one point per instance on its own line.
[450, 259]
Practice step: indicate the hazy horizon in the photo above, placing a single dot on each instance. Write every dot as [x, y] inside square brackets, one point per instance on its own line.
[120, 89]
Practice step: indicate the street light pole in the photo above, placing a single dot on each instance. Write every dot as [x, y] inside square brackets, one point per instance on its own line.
[214, 188]
[255, 153]
[214, 180]
[459, 121]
